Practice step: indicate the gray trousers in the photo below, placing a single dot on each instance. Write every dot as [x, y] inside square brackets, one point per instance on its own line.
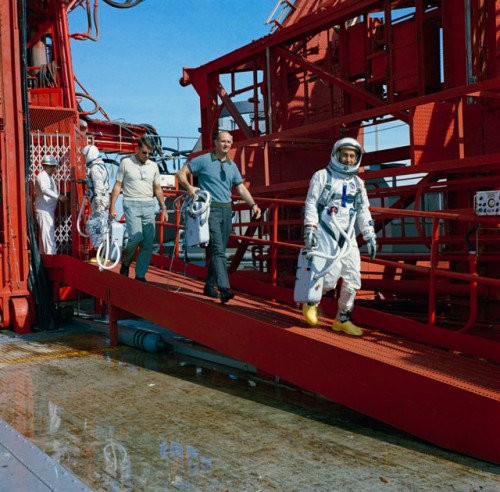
[140, 222]
[220, 226]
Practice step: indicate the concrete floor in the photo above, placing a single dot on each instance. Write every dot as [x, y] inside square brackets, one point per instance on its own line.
[125, 420]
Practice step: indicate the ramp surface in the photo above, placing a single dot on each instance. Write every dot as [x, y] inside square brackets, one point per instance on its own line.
[443, 397]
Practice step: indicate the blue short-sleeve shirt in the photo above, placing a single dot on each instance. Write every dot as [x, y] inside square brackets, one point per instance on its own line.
[216, 176]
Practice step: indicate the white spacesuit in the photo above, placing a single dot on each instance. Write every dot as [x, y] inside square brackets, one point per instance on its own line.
[47, 197]
[336, 198]
[97, 179]
[98, 195]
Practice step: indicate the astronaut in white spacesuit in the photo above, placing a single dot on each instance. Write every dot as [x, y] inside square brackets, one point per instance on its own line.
[47, 198]
[97, 179]
[98, 188]
[336, 198]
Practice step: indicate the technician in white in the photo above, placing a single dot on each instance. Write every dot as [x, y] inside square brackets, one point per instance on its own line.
[336, 197]
[47, 198]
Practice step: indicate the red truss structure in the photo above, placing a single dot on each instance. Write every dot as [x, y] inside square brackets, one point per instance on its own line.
[421, 76]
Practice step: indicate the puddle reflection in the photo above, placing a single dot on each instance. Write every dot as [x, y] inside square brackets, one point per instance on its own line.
[125, 420]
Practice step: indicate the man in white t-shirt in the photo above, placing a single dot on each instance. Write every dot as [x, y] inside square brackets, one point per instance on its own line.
[138, 178]
[47, 198]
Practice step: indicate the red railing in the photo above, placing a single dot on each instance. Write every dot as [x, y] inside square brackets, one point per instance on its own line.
[277, 249]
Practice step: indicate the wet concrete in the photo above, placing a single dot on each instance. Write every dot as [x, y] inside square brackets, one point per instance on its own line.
[125, 420]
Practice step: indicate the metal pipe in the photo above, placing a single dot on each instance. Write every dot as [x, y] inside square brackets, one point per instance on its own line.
[269, 114]
[468, 43]
[432, 272]
[473, 295]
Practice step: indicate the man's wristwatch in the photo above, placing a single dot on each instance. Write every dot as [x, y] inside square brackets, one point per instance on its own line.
[164, 207]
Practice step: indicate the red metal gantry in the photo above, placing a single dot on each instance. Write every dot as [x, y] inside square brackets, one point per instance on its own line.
[41, 112]
[421, 77]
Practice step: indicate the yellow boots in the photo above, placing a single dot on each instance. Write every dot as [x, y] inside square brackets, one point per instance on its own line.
[347, 327]
[345, 324]
[310, 314]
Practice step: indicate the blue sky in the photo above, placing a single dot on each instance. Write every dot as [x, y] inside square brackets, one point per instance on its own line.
[134, 69]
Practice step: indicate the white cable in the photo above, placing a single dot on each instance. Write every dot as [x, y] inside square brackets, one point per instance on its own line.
[79, 218]
[185, 204]
[103, 262]
[341, 252]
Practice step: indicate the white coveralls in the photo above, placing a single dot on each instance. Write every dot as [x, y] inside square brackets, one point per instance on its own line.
[98, 184]
[46, 200]
[98, 189]
[348, 198]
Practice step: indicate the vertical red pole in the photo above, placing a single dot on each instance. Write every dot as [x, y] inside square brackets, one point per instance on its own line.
[432, 274]
[274, 250]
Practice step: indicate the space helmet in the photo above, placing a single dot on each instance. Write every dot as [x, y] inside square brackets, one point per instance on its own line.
[346, 143]
[90, 153]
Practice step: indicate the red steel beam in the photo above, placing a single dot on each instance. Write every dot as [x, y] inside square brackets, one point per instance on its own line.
[233, 111]
[346, 86]
[14, 269]
[308, 25]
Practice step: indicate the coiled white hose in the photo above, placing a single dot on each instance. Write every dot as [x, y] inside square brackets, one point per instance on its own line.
[341, 252]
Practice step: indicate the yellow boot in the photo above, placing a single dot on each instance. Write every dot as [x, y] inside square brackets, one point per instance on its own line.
[310, 314]
[346, 325]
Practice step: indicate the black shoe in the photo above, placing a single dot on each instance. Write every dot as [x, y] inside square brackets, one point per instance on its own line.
[124, 270]
[141, 279]
[209, 291]
[225, 295]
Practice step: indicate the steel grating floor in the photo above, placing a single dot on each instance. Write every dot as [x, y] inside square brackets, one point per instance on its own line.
[454, 369]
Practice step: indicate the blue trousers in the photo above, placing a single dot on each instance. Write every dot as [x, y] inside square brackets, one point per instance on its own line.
[220, 226]
[140, 222]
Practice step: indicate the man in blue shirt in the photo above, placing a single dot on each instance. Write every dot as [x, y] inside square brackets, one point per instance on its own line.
[217, 174]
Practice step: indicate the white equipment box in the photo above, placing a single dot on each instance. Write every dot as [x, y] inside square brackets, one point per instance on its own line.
[308, 288]
[487, 202]
[116, 236]
[196, 228]
[167, 180]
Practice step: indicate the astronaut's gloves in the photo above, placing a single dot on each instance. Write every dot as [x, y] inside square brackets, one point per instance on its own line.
[372, 248]
[310, 236]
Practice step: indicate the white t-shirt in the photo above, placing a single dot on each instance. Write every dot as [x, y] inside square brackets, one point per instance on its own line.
[137, 179]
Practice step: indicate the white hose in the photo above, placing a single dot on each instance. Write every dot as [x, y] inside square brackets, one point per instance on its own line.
[341, 252]
[199, 196]
[187, 205]
[103, 263]
[79, 218]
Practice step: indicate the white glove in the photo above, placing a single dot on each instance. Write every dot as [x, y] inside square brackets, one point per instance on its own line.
[310, 236]
[372, 248]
